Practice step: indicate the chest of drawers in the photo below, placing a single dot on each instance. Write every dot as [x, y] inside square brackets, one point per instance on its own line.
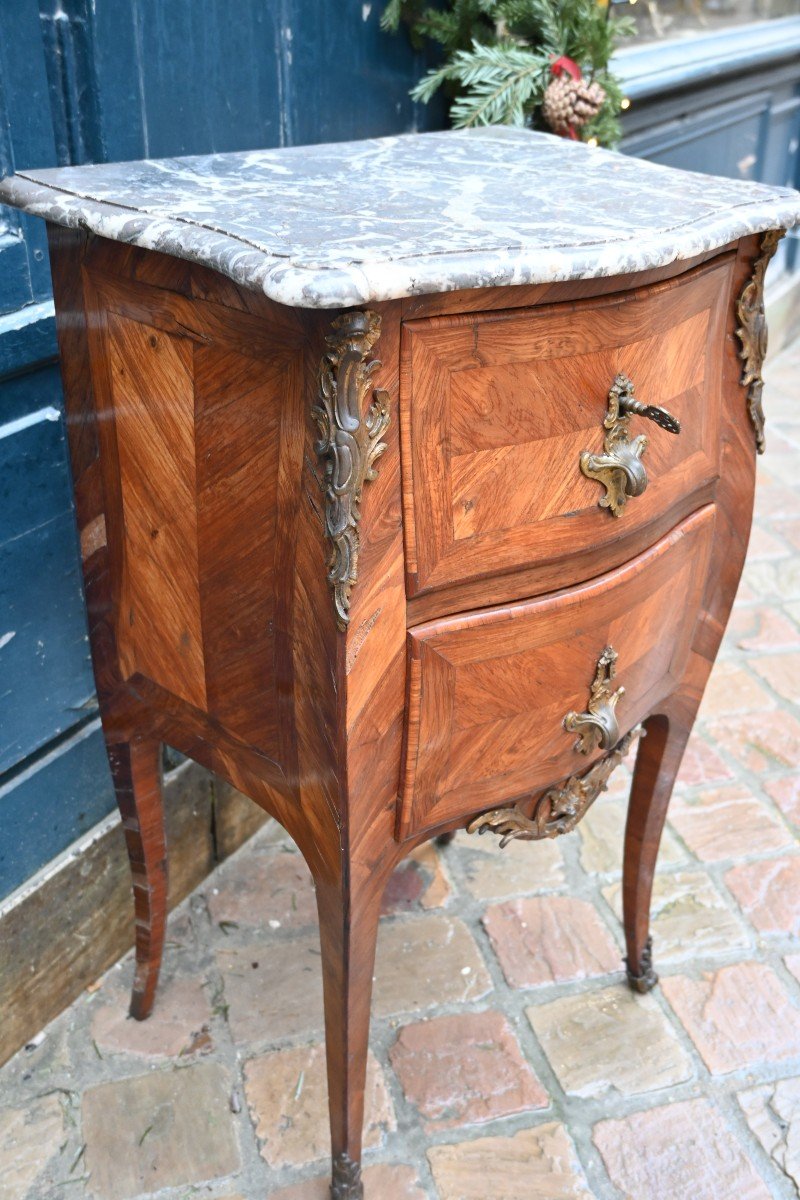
[414, 481]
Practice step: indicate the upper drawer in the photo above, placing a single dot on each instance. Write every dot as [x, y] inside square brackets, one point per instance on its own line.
[497, 408]
[488, 692]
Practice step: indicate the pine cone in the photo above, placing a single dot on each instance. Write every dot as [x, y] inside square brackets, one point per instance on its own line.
[569, 104]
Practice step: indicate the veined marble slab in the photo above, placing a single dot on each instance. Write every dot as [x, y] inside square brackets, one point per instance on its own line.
[344, 224]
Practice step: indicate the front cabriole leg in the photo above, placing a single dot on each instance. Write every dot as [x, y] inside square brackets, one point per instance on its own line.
[657, 764]
[349, 910]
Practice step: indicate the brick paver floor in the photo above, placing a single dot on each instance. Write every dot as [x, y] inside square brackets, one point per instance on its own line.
[509, 1061]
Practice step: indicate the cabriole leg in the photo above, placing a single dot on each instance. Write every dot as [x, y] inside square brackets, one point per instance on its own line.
[348, 917]
[136, 772]
[657, 764]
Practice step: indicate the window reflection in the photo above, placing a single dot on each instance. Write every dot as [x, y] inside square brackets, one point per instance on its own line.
[658, 19]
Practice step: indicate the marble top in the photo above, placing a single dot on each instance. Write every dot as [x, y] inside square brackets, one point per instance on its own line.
[343, 224]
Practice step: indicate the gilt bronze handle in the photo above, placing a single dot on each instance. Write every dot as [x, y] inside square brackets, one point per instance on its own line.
[597, 728]
[560, 808]
[620, 468]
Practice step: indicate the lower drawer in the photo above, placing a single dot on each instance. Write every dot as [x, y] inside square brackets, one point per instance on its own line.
[488, 692]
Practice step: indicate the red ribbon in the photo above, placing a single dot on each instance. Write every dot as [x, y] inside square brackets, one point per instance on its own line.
[568, 65]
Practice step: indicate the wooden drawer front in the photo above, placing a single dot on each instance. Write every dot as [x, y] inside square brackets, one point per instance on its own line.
[497, 407]
[488, 692]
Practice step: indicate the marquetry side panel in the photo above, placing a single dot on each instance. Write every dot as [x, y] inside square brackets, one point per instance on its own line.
[159, 631]
[238, 413]
[203, 420]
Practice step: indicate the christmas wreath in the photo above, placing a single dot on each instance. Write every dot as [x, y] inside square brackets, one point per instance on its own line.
[543, 63]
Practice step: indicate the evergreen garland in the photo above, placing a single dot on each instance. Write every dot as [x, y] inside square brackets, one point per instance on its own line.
[499, 56]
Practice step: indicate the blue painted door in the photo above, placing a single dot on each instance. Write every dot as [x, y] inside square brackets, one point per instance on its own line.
[97, 80]
[46, 686]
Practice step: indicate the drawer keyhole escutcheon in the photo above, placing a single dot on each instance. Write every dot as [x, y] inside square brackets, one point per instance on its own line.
[597, 728]
[620, 468]
[559, 809]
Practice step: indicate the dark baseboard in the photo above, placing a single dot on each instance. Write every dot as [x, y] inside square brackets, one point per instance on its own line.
[74, 919]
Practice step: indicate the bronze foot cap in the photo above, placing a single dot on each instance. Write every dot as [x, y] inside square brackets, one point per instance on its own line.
[346, 1181]
[645, 979]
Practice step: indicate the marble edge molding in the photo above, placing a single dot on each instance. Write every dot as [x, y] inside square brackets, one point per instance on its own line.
[332, 287]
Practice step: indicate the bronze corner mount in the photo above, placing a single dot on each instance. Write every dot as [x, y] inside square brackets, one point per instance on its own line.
[559, 809]
[752, 333]
[349, 442]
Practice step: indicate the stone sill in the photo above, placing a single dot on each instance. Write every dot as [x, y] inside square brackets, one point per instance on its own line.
[681, 63]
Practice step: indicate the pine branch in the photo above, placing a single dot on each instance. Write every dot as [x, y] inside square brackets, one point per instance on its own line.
[536, 22]
[430, 83]
[497, 55]
[391, 16]
[499, 84]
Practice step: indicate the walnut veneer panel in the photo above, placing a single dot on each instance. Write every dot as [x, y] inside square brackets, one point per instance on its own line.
[152, 393]
[496, 409]
[196, 402]
[488, 692]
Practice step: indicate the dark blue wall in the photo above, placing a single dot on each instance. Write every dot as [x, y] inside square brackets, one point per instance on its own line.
[87, 81]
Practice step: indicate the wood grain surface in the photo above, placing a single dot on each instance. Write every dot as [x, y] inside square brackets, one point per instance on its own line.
[497, 408]
[489, 580]
[488, 692]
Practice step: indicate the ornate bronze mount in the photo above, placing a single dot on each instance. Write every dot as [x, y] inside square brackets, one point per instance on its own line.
[346, 1179]
[558, 810]
[350, 443]
[752, 333]
[644, 978]
[620, 468]
[597, 728]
